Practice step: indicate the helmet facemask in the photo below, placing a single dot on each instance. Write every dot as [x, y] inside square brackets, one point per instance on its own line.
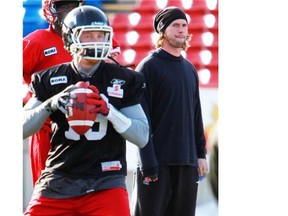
[95, 50]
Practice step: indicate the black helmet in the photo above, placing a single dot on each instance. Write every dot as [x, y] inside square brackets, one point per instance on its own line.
[87, 18]
[49, 8]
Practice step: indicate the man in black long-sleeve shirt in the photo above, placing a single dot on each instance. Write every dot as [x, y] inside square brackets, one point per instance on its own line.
[175, 155]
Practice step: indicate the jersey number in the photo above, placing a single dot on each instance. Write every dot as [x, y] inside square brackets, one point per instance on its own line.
[90, 134]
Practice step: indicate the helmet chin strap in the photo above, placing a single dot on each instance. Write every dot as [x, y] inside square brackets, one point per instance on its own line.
[91, 53]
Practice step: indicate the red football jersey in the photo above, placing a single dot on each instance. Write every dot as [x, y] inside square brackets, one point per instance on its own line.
[42, 49]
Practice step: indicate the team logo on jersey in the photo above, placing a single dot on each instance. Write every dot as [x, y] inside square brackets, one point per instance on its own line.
[116, 90]
[50, 51]
[118, 82]
[58, 80]
[111, 166]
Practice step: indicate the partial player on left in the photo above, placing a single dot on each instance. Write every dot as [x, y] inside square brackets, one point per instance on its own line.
[42, 49]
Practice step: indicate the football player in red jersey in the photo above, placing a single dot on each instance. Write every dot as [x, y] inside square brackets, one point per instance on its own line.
[44, 48]
[116, 50]
[85, 174]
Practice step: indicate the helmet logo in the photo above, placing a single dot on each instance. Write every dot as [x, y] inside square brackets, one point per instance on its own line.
[97, 23]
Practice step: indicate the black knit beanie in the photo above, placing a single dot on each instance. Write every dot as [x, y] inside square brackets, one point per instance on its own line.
[166, 16]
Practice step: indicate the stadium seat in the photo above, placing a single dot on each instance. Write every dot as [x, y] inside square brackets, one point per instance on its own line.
[176, 3]
[214, 51]
[196, 41]
[121, 22]
[131, 59]
[199, 4]
[32, 19]
[121, 38]
[140, 54]
[193, 55]
[149, 6]
[145, 24]
[214, 79]
[196, 5]
[214, 31]
[196, 21]
[144, 42]
[196, 24]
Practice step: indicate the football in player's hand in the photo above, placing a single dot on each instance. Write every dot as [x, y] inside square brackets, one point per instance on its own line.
[79, 116]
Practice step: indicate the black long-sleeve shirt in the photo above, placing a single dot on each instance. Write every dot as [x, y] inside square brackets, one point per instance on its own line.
[172, 104]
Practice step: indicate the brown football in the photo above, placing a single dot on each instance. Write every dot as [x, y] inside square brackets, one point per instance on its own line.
[79, 117]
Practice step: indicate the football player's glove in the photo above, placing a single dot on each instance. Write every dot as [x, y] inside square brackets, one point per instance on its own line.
[61, 100]
[96, 99]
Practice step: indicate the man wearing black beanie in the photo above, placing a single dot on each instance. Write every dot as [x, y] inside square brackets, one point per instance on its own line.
[165, 17]
[174, 159]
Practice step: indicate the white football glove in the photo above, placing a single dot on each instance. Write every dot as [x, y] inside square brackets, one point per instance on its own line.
[62, 100]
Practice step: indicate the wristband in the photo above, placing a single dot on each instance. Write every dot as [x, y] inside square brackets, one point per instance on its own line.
[120, 122]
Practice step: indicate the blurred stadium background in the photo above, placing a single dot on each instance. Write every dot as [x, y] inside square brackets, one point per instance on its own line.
[133, 28]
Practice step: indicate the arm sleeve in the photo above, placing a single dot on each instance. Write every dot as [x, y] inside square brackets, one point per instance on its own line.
[35, 115]
[131, 123]
[199, 133]
[199, 128]
[138, 132]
